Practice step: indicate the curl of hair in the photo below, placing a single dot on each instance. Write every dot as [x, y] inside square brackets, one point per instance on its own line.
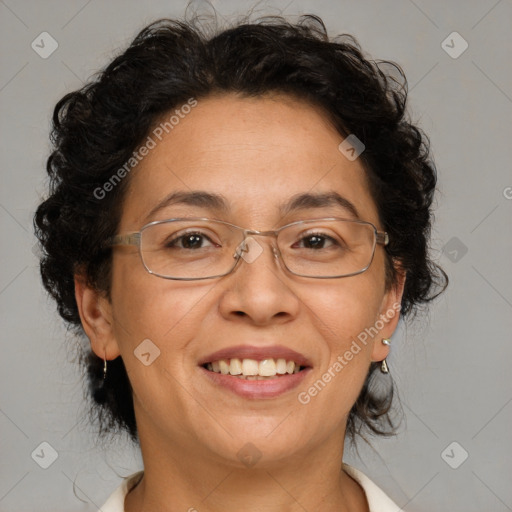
[96, 130]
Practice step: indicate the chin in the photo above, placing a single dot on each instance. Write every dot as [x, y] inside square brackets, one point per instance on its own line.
[264, 445]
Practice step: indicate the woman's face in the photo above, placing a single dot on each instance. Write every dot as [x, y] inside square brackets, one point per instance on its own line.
[257, 155]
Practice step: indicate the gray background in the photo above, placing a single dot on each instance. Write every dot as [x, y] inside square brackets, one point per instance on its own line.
[452, 367]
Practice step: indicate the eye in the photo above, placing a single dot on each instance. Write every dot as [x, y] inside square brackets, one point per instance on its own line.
[315, 241]
[190, 240]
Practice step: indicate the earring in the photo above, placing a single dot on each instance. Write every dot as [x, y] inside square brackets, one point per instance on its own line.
[100, 393]
[384, 365]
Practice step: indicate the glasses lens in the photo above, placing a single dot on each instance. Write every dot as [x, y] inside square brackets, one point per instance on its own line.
[327, 248]
[201, 249]
[191, 249]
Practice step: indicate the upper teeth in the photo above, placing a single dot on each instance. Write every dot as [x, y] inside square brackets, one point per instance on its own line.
[265, 368]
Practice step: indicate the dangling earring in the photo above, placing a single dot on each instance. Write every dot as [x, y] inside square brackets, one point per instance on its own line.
[104, 366]
[384, 365]
[100, 393]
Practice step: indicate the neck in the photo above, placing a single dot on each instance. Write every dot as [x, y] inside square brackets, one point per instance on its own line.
[179, 477]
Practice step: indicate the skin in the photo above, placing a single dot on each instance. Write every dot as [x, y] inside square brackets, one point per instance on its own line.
[257, 153]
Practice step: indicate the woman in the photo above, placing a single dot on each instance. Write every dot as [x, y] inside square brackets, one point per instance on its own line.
[237, 223]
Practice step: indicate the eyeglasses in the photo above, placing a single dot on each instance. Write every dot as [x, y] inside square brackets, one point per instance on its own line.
[190, 249]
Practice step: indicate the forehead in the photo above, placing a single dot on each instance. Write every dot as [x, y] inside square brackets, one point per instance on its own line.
[256, 153]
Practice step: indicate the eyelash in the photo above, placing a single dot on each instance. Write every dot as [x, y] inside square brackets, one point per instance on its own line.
[177, 241]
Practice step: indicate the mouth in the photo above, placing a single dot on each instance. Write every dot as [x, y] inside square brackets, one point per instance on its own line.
[252, 369]
[255, 372]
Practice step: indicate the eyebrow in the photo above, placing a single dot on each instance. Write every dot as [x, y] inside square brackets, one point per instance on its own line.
[219, 204]
[195, 198]
[319, 200]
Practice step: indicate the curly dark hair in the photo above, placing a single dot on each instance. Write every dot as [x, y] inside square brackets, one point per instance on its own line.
[97, 129]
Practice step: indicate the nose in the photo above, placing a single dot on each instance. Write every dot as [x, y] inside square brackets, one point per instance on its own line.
[258, 291]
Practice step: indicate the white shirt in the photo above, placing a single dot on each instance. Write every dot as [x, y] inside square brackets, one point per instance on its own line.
[377, 500]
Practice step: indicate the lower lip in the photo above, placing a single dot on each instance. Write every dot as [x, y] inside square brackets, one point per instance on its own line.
[257, 389]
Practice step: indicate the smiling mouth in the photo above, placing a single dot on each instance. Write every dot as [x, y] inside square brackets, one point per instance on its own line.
[252, 369]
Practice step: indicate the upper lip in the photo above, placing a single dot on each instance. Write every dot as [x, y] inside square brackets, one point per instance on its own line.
[256, 352]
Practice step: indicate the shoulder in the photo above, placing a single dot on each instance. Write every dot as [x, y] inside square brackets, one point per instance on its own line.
[115, 502]
[378, 501]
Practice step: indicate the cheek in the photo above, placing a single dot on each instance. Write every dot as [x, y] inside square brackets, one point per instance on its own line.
[345, 308]
[165, 312]
[155, 321]
[343, 314]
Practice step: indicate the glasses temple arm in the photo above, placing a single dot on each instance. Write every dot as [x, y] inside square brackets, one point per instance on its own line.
[126, 239]
[382, 237]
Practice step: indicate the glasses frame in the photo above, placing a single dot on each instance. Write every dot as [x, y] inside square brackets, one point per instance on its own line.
[135, 237]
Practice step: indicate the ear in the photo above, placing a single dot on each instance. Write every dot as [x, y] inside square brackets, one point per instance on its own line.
[96, 316]
[389, 315]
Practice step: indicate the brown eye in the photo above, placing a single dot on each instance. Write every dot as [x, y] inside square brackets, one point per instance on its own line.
[315, 241]
[190, 241]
